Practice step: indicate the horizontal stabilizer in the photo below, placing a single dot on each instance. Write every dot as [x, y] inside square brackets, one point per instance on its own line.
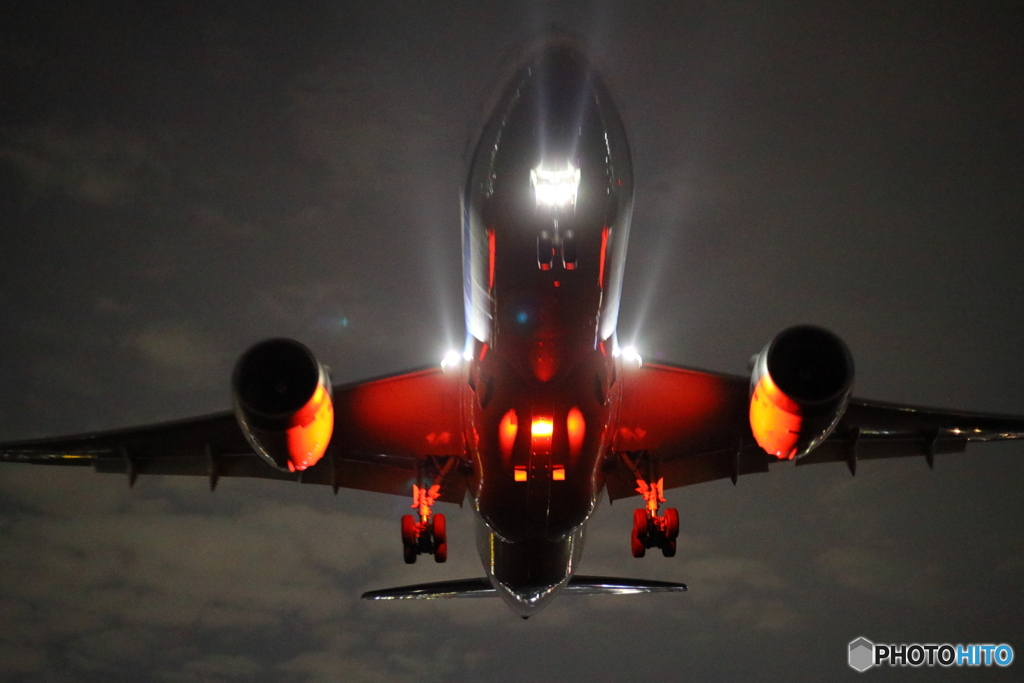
[482, 588]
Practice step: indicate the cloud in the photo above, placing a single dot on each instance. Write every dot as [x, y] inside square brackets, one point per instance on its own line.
[875, 572]
[102, 166]
[176, 354]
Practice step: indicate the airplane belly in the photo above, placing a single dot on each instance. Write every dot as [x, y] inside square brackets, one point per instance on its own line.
[538, 448]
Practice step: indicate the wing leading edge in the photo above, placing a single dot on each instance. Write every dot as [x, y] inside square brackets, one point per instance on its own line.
[385, 430]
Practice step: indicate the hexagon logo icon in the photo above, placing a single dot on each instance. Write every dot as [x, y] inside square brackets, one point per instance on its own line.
[862, 654]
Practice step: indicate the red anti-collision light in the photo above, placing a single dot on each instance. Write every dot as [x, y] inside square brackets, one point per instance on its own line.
[540, 435]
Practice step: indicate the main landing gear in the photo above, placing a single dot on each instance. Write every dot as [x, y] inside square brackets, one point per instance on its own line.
[651, 530]
[429, 534]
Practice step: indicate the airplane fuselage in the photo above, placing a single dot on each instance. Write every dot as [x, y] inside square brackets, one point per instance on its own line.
[546, 215]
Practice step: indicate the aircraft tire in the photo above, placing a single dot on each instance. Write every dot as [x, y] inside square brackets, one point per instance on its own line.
[440, 532]
[671, 524]
[638, 539]
[408, 531]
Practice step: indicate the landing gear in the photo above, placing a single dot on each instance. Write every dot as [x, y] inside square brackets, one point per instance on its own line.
[440, 534]
[428, 535]
[651, 530]
[638, 541]
[425, 532]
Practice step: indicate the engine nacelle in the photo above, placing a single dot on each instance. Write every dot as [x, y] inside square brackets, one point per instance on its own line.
[799, 387]
[283, 403]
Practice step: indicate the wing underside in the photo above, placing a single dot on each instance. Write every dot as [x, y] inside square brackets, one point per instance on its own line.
[691, 426]
[387, 432]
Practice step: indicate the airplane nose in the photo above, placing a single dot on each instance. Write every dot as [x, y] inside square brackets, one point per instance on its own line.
[556, 128]
[556, 102]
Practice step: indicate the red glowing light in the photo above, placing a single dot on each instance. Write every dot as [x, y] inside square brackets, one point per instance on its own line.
[490, 262]
[576, 427]
[507, 429]
[775, 419]
[542, 426]
[540, 434]
[543, 361]
[519, 473]
[557, 283]
[311, 430]
[558, 473]
[604, 249]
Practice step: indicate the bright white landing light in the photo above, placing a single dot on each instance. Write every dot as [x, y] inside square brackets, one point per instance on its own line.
[451, 360]
[555, 188]
[630, 355]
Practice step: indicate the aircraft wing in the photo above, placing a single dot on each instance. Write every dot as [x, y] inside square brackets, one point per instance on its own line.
[384, 430]
[694, 427]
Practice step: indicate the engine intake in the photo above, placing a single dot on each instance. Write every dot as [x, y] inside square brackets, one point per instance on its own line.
[282, 397]
[799, 388]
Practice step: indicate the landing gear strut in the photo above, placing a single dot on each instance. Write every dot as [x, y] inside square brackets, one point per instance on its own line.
[651, 530]
[427, 534]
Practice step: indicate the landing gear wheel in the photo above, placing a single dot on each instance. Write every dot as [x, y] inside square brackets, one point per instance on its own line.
[639, 536]
[671, 525]
[408, 531]
[637, 546]
[669, 548]
[409, 539]
[440, 539]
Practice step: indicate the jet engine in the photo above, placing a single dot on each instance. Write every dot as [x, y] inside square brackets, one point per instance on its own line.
[282, 397]
[799, 388]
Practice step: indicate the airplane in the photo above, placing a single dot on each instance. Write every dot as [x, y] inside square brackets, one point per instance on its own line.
[542, 412]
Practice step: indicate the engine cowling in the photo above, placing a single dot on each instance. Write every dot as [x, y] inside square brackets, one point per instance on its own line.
[282, 397]
[800, 385]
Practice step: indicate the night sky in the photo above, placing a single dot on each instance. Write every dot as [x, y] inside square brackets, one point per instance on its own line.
[179, 180]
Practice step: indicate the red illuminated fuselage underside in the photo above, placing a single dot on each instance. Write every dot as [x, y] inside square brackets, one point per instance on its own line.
[542, 288]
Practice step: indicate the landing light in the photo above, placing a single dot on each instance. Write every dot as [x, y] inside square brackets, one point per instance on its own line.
[555, 188]
[630, 355]
[451, 360]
